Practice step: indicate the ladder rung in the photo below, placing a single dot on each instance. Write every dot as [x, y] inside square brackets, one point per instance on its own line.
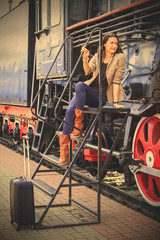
[43, 186]
[35, 149]
[38, 134]
[77, 138]
[58, 133]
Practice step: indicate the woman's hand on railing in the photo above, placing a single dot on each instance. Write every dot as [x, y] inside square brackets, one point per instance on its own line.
[85, 53]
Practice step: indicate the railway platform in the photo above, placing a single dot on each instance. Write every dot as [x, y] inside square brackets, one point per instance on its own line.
[118, 222]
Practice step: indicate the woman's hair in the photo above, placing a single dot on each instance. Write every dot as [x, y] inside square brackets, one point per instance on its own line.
[105, 39]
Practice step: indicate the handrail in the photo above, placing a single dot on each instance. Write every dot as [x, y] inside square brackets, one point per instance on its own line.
[126, 77]
[31, 107]
[71, 75]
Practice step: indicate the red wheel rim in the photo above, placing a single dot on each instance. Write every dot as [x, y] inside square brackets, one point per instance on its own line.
[146, 147]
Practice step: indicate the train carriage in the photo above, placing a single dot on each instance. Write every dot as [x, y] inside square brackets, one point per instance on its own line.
[39, 69]
[16, 63]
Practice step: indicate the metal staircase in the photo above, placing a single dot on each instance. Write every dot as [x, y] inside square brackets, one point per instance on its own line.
[42, 127]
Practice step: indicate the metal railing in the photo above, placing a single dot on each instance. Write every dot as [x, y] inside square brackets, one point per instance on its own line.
[45, 80]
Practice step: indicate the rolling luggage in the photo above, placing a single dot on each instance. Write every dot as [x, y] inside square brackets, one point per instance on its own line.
[22, 197]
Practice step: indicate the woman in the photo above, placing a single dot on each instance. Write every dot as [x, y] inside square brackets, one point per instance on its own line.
[113, 67]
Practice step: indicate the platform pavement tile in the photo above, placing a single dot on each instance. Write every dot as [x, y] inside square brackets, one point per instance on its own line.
[94, 238]
[151, 234]
[110, 236]
[130, 235]
[126, 230]
[119, 237]
[79, 236]
[110, 225]
[102, 238]
[54, 237]
[68, 237]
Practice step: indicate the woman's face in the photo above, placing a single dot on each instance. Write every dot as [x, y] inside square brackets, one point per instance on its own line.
[111, 45]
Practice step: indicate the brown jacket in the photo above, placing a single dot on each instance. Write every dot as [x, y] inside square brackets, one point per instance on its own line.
[115, 70]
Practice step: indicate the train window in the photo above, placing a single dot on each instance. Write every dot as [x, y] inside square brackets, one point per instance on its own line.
[117, 4]
[47, 13]
[78, 10]
[38, 15]
[99, 7]
[55, 12]
[44, 14]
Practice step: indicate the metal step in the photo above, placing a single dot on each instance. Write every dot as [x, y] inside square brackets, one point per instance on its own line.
[108, 107]
[77, 138]
[53, 159]
[72, 137]
[44, 187]
[50, 158]
[86, 109]
[35, 149]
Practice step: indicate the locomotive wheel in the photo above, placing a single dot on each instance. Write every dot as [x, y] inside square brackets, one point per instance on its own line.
[146, 147]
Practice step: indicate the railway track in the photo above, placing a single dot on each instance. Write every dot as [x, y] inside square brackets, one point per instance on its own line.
[113, 185]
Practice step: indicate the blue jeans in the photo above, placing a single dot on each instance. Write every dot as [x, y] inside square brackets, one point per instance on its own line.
[85, 95]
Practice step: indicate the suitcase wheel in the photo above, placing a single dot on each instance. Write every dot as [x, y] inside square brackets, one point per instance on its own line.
[18, 228]
[12, 221]
[33, 226]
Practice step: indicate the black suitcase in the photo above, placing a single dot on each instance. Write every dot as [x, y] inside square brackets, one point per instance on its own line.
[22, 197]
[22, 202]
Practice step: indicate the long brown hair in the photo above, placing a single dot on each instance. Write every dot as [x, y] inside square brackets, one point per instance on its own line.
[105, 39]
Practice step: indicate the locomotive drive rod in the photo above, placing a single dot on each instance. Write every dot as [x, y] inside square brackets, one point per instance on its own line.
[145, 169]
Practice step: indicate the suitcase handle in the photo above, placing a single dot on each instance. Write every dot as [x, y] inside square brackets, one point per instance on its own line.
[26, 143]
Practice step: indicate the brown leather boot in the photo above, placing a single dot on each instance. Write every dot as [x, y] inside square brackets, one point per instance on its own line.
[78, 122]
[64, 149]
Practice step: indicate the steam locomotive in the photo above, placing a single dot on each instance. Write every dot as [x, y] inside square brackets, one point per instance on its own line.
[40, 63]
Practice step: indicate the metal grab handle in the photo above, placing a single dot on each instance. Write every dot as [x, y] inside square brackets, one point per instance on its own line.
[26, 140]
[71, 75]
